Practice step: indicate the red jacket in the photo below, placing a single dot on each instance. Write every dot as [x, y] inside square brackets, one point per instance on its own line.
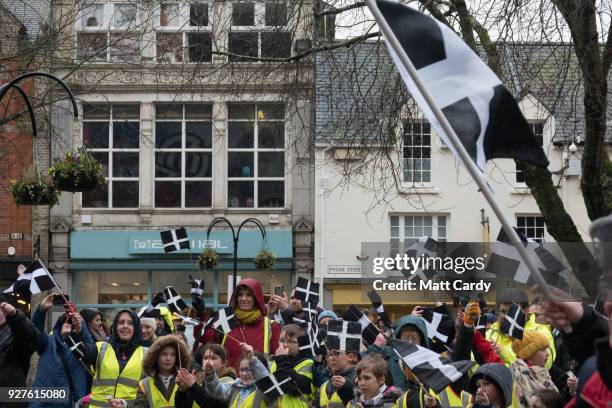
[253, 333]
[483, 348]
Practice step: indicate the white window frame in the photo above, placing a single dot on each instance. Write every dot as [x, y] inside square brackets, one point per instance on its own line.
[183, 150]
[256, 150]
[107, 28]
[534, 216]
[259, 26]
[402, 241]
[184, 28]
[532, 123]
[406, 182]
[110, 150]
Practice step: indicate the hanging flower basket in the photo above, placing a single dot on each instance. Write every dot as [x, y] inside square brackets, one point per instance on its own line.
[265, 260]
[34, 189]
[208, 259]
[79, 171]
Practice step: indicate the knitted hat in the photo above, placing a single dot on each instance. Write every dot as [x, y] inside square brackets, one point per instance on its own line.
[89, 314]
[532, 342]
[327, 313]
[148, 321]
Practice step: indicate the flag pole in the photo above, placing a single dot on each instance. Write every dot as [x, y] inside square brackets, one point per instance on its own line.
[467, 161]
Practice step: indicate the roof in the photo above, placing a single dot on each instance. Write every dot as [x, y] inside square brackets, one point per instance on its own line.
[33, 14]
[355, 88]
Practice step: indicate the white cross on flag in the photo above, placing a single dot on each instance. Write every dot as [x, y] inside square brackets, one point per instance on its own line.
[306, 347]
[224, 320]
[307, 291]
[368, 330]
[275, 385]
[435, 371]
[175, 240]
[481, 324]
[481, 111]
[197, 286]
[343, 335]
[174, 300]
[439, 326]
[76, 346]
[424, 247]
[35, 279]
[514, 322]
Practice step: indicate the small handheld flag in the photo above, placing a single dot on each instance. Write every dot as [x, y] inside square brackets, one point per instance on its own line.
[514, 322]
[439, 325]
[343, 336]
[224, 320]
[175, 302]
[307, 291]
[368, 330]
[380, 308]
[175, 240]
[35, 279]
[197, 286]
[275, 385]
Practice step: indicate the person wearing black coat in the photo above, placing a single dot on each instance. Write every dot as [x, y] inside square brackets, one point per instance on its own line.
[18, 340]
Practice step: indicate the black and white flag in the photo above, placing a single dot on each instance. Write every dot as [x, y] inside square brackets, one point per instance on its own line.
[76, 346]
[368, 330]
[35, 279]
[197, 286]
[380, 308]
[307, 291]
[306, 347]
[275, 385]
[343, 336]
[224, 320]
[506, 261]
[479, 108]
[439, 325]
[174, 300]
[514, 322]
[481, 324]
[175, 240]
[423, 249]
[153, 308]
[435, 371]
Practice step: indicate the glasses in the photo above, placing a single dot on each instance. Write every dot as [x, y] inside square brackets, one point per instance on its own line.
[336, 353]
[287, 341]
[245, 370]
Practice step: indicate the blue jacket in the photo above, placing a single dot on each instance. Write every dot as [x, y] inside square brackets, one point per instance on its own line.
[50, 372]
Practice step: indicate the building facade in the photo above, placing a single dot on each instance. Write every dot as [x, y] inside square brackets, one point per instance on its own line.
[374, 188]
[192, 115]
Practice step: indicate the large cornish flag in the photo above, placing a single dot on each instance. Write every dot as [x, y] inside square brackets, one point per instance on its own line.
[481, 111]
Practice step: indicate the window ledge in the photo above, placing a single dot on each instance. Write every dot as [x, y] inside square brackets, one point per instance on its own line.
[520, 190]
[425, 189]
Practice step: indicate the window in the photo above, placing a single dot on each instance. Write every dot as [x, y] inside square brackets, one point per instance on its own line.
[538, 131]
[112, 134]
[184, 33]
[256, 155]
[532, 227]
[259, 30]
[183, 155]
[417, 152]
[108, 32]
[406, 229]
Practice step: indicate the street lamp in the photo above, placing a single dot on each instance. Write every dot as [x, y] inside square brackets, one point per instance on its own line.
[235, 237]
[13, 84]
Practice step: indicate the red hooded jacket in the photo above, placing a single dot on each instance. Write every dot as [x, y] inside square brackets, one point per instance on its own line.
[253, 333]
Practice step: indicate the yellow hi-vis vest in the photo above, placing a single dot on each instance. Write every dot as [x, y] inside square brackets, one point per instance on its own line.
[325, 400]
[108, 381]
[449, 399]
[402, 401]
[154, 396]
[304, 368]
[253, 400]
[267, 335]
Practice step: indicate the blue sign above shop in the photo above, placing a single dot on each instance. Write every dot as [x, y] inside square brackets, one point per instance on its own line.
[135, 244]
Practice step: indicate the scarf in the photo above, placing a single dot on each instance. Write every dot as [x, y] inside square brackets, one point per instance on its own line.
[528, 379]
[376, 400]
[248, 317]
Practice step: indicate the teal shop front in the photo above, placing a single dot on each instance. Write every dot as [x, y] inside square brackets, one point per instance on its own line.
[118, 269]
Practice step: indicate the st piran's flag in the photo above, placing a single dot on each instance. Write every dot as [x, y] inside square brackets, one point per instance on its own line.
[479, 108]
[424, 247]
[197, 286]
[439, 325]
[435, 371]
[224, 320]
[368, 330]
[380, 308]
[153, 308]
[343, 336]
[307, 291]
[175, 240]
[306, 347]
[275, 385]
[35, 279]
[174, 300]
[506, 261]
[514, 322]
[481, 324]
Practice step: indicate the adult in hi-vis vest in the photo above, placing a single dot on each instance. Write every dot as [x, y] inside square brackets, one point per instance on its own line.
[255, 328]
[160, 365]
[117, 363]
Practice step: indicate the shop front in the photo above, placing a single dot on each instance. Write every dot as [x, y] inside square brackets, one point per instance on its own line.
[117, 269]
